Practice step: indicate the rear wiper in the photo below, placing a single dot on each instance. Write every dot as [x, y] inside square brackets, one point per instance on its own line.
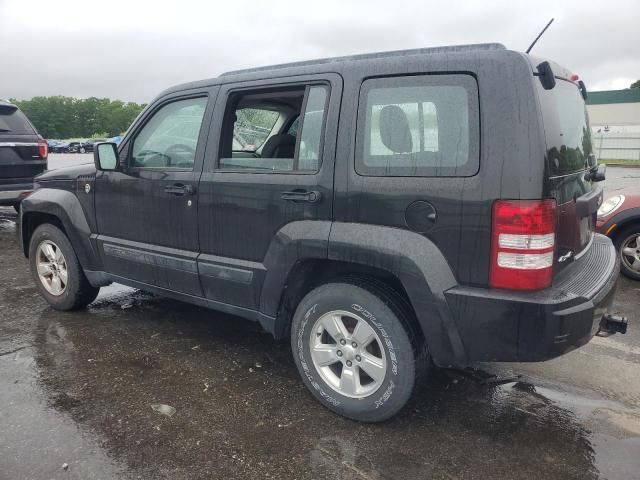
[4, 130]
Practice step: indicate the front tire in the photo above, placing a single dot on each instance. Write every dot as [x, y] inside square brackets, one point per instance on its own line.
[627, 243]
[56, 270]
[356, 349]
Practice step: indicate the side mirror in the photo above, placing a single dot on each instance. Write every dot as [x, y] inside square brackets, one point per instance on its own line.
[597, 173]
[105, 156]
[600, 173]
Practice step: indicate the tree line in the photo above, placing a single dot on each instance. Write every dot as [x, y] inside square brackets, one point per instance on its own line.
[68, 117]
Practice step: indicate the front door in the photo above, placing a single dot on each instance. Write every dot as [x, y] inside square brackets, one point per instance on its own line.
[272, 166]
[147, 210]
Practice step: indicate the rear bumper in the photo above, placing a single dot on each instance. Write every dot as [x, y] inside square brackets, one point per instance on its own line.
[501, 325]
[12, 193]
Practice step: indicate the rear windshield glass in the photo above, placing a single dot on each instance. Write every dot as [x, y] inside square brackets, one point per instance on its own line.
[13, 121]
[566, 127]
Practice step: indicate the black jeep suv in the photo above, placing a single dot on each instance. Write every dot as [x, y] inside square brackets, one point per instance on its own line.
[385, 212]
[23, 154]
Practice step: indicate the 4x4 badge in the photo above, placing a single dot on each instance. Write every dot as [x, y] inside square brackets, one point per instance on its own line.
[87, 188]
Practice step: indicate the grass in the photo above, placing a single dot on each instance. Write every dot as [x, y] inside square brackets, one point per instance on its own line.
[619, 162]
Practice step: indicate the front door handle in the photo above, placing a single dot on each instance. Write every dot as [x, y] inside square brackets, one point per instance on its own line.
[301, 196]
[180, 189]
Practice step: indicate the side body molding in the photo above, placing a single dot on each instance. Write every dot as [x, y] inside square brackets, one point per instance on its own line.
[66, 207]
[420, 267]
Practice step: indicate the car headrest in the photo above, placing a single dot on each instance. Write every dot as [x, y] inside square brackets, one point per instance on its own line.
[282, 145]
[394, 129]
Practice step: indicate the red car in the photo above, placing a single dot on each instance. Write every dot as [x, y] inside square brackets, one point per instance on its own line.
[619, 219]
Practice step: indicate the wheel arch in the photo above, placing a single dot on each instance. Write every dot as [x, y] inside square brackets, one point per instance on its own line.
[630, 222]
[62, 209]
[623, 220]
[31, 221]
[309, 273]
[409, 263]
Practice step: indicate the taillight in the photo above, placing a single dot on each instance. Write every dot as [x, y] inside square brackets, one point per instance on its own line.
[522, 244]
[43, 148]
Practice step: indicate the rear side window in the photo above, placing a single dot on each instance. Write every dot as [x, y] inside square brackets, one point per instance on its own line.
[14, 121]
[310, 144]
[425, 125]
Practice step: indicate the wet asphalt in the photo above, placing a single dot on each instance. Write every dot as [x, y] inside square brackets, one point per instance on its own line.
[77, 389]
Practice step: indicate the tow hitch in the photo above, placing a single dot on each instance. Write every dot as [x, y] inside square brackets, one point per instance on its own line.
[613, 324]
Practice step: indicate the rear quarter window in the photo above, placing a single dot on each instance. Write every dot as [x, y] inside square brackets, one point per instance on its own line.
[13, 121]
[425, 125]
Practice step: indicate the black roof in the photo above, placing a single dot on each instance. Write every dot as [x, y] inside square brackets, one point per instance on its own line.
[373, 56]
[313, 66]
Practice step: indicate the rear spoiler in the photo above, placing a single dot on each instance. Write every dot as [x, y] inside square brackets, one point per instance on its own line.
[547, 77]
[6, 107]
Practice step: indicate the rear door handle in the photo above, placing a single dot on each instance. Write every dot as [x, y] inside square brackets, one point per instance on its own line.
[301, 196]
[180, 189]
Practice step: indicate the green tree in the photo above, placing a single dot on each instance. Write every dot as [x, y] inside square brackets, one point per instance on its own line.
[635, 84]
[67, 117]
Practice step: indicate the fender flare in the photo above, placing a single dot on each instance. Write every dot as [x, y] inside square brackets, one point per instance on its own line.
[622, 219]
[296, 241]
[412, 258]
[423, 271]
[66, 207]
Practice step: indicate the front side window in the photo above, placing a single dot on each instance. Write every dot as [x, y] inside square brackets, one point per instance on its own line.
[274, 130]
[170, 138]
[418, 126]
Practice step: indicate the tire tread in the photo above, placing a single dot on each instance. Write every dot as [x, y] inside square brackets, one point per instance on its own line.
[619, 238]
[85, 293]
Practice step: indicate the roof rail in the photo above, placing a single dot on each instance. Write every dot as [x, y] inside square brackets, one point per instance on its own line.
[367, 56]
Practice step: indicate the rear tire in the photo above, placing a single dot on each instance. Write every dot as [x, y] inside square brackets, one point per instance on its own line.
[627, 243]
[56, 270]
[362, 379]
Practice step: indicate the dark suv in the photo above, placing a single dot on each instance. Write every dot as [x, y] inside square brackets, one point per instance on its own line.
[385, 212]
[77, 147]
[23, 154]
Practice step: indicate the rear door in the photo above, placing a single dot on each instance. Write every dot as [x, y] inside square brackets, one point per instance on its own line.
[417, 152]
[20, 159]
[247, 195]
[569, 156]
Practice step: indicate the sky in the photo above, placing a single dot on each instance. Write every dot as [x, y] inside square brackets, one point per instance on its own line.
[131, 50]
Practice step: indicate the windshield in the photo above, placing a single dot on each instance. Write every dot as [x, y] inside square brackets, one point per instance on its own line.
[566, 127]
